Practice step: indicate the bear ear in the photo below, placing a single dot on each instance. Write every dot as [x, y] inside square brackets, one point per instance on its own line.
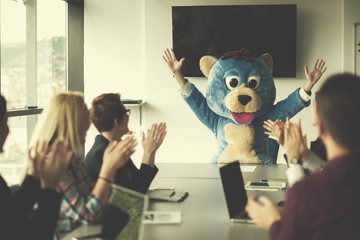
[268, 60]
[206, 63]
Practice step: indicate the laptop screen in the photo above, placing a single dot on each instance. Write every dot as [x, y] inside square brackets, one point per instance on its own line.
[234, 190]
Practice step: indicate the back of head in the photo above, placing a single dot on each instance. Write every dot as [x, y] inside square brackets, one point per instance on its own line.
[338, 109]
[105, 108]
[2, 107]
[62, 118]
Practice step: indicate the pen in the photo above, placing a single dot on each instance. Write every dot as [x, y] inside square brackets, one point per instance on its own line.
[264, 180]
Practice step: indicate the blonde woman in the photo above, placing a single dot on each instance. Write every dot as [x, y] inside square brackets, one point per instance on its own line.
[67, 116]
[40, 183]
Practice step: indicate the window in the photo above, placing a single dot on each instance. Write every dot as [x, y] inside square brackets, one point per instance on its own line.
[36, 36]
[13, 53]
[51, 49]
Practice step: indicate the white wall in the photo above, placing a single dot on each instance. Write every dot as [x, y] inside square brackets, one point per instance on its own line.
[124, 43]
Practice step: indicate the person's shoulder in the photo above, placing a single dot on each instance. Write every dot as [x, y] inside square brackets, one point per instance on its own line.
[308, 183]
[98, 148]
[321, 179]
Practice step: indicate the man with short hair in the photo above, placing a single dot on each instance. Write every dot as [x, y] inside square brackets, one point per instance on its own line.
[111, 118]
[325, 204]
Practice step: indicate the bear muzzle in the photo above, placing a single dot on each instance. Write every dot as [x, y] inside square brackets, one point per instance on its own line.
[244, 99]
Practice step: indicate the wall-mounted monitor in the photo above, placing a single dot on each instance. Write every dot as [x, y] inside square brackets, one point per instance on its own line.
[214, 30]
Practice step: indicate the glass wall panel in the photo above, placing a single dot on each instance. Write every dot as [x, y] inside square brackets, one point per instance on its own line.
[13, 52]
[12, 160]
[51, 48]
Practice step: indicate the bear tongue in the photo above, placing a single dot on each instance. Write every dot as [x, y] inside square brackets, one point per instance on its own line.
[243, 117]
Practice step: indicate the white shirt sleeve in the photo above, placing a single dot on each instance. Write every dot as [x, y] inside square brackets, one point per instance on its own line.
[313, 163]
[303, 95]
[185, 90]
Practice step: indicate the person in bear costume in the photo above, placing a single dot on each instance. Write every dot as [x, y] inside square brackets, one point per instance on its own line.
[240, 96]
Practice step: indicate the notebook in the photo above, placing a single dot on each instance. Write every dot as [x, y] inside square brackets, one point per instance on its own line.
[114, 221]
[134, 204]
[234, 191]
[123, 218]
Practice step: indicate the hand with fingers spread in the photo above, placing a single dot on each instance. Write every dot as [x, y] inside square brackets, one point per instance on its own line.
[152, 141]
[295, 142]
[116, 155]
[174, 66]
[315, 74]
[275, 129]
[263, 211]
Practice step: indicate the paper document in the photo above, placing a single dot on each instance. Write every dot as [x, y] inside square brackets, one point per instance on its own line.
[245, 168]
[157, 217]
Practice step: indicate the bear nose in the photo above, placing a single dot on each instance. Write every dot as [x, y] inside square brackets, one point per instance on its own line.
[244, 99]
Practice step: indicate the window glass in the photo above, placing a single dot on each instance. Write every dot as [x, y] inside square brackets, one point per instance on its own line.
[13, 53]
[51, 48]
[16, 142]
[12, 160]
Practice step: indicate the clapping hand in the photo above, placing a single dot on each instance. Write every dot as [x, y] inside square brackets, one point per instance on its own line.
[49, 167]
[294, 141]
[116, 155]
[275, 129]
[152, 141]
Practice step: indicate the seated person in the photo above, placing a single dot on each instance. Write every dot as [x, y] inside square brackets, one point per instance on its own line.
[110, 117]
[311, 159]
[83, 201]
[275, 128]
[39, 185]
[324, 204]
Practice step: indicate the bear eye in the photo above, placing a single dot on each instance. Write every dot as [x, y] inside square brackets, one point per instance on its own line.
[253, 82]
[232, 82]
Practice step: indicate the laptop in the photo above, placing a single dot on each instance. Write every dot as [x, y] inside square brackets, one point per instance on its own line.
[234, 191]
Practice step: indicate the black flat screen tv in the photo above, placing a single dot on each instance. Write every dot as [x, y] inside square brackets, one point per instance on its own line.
[215, 30]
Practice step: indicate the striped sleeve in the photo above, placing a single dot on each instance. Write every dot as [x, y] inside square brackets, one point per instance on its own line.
[78, 205]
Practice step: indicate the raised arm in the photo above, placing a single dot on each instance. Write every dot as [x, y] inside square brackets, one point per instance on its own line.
[174, 66]
[313, 77]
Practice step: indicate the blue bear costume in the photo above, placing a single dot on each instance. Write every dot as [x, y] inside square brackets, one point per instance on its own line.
[240, 96]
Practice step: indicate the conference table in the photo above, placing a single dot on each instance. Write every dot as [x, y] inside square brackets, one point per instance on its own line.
[204, 212]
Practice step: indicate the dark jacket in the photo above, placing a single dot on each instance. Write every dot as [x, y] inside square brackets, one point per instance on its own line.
[323, 205]
[15, 211]
[128, 176]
